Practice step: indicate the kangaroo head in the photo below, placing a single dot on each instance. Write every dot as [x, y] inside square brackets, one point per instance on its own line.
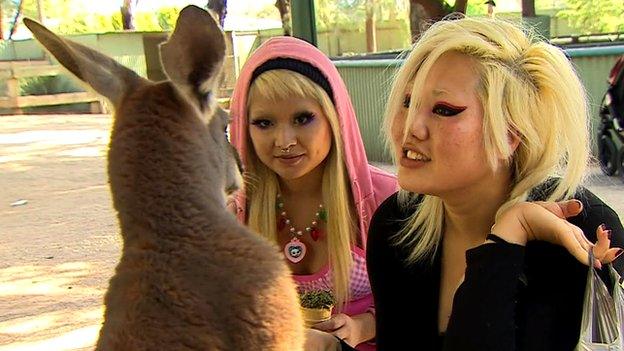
[192, 59]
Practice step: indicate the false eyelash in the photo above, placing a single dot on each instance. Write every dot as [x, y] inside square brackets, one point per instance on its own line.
[451, 110]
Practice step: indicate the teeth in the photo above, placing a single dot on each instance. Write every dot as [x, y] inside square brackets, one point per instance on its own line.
[413, 155]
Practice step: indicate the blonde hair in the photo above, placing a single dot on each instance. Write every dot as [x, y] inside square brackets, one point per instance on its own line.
[527, 87]
[282, 84]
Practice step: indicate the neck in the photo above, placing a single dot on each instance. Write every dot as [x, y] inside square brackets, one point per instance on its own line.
[470, 213]
[309, 185]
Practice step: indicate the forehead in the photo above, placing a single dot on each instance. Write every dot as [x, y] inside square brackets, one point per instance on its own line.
[450, 72]
[263, 105]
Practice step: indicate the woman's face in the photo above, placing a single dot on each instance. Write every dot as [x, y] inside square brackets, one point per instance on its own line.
[291, 137]
[443, 150]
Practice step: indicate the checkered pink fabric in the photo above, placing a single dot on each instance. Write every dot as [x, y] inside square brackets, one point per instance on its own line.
[322, 280]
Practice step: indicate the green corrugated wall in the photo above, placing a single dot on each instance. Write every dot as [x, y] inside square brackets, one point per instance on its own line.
[368, 82]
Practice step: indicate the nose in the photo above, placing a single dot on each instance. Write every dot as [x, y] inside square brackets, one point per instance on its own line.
[417, 123]
[286, 137]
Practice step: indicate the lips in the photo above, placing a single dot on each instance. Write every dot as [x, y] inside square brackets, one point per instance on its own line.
[290, 159]
[411, 157]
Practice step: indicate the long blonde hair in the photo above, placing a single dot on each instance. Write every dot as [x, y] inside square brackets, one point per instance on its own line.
[280, 84]
[527, 87]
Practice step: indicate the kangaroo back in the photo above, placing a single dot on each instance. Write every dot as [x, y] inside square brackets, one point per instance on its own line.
[190, 276]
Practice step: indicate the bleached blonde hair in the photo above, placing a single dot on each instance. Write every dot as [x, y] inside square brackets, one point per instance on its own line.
[280, 84]
[527, 87]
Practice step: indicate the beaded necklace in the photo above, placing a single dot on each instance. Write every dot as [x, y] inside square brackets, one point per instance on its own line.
[295, 249]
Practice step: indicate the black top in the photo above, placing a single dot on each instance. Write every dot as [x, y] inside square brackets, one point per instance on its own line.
[512, 297]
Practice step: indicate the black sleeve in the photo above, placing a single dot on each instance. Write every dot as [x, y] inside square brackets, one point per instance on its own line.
[381, 272]
[483, 316]
[403, 312]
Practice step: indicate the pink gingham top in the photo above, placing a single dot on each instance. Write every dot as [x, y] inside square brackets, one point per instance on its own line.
[361, 295]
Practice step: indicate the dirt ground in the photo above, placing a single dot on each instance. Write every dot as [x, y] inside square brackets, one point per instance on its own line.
[59, 239]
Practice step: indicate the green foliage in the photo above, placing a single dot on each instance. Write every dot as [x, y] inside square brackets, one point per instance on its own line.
[75, 17]
[317, 299]
[595, 16]
[351, 14]
[166, 17]
[48, 85]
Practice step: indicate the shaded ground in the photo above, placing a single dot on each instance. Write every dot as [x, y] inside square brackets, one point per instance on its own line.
[58, 250]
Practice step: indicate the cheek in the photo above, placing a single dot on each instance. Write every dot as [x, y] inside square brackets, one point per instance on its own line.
[461, 144]
[397, 128]
[257, 138]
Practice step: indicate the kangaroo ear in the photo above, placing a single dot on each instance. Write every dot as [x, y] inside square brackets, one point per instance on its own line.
[102, 73]
[193, 56]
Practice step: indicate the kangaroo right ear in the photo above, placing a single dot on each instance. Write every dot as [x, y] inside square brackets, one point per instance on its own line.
[193, 56]
[102, 73]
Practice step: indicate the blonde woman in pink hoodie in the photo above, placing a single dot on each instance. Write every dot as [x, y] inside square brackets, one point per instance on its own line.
[310, 188]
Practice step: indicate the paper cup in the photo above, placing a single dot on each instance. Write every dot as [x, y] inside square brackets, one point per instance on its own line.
[312, 316]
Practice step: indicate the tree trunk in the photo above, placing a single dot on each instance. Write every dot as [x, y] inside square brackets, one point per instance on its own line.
[433, 8]
[528, 8]
[220, 8]
[460, 6]
[18, 13]
[284, 9]
[127, 14]
[1, 26]
[371, 35]
[40, 14]
[423, 12]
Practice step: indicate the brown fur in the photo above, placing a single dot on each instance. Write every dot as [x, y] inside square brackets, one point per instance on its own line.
[190, 276]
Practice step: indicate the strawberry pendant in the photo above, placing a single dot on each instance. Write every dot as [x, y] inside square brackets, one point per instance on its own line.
[315, 234]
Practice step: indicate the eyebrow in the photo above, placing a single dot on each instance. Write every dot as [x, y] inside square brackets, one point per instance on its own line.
[438, 92]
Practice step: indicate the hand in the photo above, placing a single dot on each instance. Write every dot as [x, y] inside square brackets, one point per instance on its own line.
[546, 221]
[353, 330]
[317, 340]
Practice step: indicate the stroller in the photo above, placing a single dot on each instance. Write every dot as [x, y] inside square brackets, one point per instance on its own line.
[611, 129]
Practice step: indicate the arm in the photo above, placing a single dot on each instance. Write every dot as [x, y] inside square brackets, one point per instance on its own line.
[485, 304]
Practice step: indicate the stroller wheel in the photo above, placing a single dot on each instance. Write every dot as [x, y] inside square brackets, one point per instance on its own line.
[607, 154]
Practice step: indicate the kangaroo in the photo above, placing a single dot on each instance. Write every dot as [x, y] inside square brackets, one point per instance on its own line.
[190, 277]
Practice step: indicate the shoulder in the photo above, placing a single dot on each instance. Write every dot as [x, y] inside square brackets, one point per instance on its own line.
[392, 211]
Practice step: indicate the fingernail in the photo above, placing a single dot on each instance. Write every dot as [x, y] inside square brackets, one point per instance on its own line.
[603, 227]
[598, 265]
[576, 205]
[608, 231]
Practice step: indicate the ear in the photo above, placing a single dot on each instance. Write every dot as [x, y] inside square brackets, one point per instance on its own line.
[193, 56]
[102, 73]
[513, 140]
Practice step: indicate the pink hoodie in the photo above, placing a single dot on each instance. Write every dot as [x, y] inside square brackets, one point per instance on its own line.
[369, 184]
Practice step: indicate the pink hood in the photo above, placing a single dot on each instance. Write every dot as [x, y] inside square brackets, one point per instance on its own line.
[370, 185]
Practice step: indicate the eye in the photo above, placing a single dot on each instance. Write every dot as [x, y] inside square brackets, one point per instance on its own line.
[303, 118]
[261, 123]
[447, 110]
[407, 100]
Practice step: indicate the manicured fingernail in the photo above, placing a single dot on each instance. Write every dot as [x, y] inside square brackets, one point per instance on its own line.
[608, 231]
[603, 227]
[576, 205]
[598, 264]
